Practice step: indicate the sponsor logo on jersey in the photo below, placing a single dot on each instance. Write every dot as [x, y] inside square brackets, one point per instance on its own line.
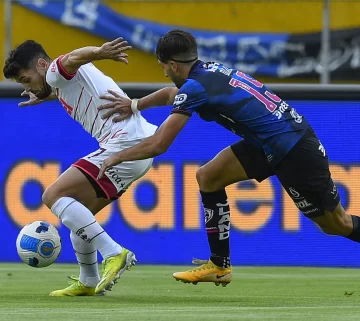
[282, 108]
[112, 173]
[311, 211]
[302, 204]
[294, 193]
[212, 66]
[296, 116]
[180, 99]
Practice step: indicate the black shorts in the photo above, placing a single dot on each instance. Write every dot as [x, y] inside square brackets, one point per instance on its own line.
[304, 173]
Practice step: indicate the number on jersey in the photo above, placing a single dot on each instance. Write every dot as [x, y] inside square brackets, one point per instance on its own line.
[270, 101]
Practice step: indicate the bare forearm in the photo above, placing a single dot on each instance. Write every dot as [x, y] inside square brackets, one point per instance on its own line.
[144, 150]
[114, 50]
[79, 57]
[162, 97]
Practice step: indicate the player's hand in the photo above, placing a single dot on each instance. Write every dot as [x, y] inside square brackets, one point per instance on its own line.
[119, 105]
[114, 50]
[33, 100]
[109, 162]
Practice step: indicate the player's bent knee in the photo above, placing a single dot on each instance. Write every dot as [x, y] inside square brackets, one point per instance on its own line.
[49, 197]
[52, 194]
[206, 180]
[200, 177]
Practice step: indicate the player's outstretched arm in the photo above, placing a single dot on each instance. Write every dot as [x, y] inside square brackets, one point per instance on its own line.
[33, 100]
[162, 97]
[113, 50]
[126, 107]
[152, 146]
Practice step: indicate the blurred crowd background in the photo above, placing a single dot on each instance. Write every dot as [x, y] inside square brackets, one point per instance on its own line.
[306, 36]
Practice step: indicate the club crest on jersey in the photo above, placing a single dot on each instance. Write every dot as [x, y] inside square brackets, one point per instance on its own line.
[179, 99]
[209, 213]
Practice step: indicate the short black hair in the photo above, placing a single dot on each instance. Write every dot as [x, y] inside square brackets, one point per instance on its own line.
[22, 57]
[177, 45]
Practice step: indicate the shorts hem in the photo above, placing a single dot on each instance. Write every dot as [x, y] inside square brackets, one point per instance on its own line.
[92, 170]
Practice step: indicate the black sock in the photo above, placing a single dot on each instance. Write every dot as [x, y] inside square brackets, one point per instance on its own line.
[355, 234]
[217, 222]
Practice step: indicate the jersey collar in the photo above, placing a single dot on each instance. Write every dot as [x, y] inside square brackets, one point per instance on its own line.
[194, 66]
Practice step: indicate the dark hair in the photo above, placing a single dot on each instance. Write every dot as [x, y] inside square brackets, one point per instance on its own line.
[22, 57]
[177, 45]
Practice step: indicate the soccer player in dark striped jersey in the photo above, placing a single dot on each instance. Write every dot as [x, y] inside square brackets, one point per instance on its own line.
[276, 141]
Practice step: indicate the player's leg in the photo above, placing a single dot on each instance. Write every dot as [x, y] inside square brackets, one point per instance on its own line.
[305, 175]
[86, 255]
[224, 169]
[338, 222]
[66, 197]
[116, 181]
[73, 185]
[322, 205]
[237, 163]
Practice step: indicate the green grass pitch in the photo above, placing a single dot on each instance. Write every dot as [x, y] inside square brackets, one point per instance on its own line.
[149, 293]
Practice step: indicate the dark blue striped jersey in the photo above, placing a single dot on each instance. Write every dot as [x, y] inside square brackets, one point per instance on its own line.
[243, 105]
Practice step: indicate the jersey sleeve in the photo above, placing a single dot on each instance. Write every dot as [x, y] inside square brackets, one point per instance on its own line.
[57, 76]
[191, 96]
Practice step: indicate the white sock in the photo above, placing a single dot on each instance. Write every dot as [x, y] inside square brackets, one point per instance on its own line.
[86, 256]
[82, 222]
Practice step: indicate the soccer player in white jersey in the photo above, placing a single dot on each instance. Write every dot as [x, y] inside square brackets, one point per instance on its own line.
[76, 196]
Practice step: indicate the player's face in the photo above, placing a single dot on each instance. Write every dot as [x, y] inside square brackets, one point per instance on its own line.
[165, 68]
[170, 70]
[34, 80]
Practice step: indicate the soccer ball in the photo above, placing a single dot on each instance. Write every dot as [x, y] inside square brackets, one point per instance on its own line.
[38, 244]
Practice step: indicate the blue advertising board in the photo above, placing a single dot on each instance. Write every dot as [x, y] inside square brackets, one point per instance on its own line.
[160, 217]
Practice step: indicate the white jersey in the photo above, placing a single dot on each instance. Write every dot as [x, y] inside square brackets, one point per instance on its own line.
[79, 94]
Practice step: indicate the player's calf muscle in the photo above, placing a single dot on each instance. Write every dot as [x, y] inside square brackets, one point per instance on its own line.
[336, 222]
[96, 205]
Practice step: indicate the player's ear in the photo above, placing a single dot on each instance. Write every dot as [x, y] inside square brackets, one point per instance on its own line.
[174, 66]
[41, 65]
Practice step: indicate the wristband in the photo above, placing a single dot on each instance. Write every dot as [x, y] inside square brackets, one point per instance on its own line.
[134, 103]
